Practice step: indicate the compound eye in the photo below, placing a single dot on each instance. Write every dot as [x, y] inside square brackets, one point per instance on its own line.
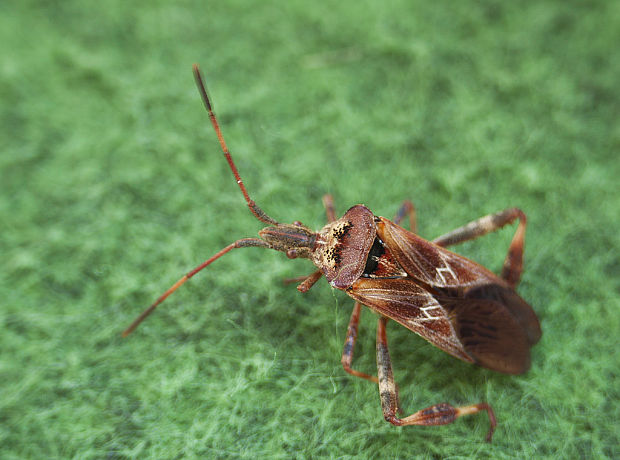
[292, 254]
[297, 223]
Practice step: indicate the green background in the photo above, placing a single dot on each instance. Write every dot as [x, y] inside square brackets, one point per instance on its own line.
[113, 186]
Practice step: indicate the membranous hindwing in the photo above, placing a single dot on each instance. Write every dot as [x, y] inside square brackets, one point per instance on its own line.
[342, 246]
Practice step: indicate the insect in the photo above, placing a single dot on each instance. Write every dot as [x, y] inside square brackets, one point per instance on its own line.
[454, 303]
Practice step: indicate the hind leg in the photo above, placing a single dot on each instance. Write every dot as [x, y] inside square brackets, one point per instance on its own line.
[438, 414]
[513, 264]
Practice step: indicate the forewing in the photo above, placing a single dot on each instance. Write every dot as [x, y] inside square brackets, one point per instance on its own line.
[403, 301]
[432, 264]
[480, 331]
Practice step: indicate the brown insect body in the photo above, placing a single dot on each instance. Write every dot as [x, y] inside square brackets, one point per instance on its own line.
[446, 298]
[451, 301]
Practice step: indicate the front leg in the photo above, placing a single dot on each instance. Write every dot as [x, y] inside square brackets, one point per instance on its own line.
[438, 414]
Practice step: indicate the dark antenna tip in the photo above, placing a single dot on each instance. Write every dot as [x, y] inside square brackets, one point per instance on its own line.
[201, 87]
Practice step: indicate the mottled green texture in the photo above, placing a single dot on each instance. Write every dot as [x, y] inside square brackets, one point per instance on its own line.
[112, 186]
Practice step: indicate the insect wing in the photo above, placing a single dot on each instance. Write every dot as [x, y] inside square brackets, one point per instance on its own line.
[509, 300]
[429, 263]
[456, 275]
[405, 302]
[489, 333]
[451, 301]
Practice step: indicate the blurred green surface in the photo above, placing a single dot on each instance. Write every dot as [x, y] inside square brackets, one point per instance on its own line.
[113, 185]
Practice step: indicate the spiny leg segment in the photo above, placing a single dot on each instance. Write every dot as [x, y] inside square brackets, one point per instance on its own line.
[328, 202]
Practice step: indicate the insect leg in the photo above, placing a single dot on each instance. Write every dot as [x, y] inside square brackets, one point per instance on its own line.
[513, 264]
[328, 202]
[349, 345]
[438, 414]
[297, 279]
[406, 209]
[309, 281]
[243, 243]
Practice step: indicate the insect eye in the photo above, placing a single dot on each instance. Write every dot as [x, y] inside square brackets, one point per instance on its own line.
[291, 254]
[299, 224]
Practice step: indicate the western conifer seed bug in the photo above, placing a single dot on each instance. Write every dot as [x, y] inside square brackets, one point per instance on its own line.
[454, 303]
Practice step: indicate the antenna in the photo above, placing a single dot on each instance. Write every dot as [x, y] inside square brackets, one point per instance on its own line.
[258, 212]
[243, 243]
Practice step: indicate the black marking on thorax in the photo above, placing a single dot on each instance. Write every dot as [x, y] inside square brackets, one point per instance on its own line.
[381, 264]
[376, 251]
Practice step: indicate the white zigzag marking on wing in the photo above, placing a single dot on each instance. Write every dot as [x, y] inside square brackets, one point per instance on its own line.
[428, 316]
[441, 271]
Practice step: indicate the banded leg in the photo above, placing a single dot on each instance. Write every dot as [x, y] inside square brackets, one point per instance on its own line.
[407, 209]
[349, 345]
[513, 264]
[438, 414]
